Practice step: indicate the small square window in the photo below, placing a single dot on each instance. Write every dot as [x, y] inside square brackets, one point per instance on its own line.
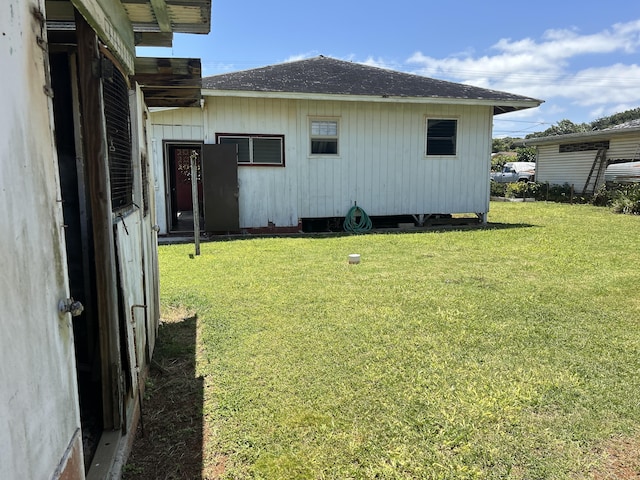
[324, 137]
[441, 136]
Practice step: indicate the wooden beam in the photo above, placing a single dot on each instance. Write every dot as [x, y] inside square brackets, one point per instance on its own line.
[169, 82]
[153, 39]
[98, 189]
[161, 13]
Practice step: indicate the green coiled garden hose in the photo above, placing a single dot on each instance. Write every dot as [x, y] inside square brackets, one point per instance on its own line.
[357, 220]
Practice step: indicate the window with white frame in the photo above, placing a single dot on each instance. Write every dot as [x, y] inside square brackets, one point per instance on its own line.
[256, 149]
[324, 136]
[442, 134]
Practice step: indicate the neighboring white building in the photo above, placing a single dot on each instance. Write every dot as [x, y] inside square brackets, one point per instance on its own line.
[316, 136]
[78, 222]
[569, 158]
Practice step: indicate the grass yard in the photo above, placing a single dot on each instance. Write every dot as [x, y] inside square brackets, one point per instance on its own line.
[511, 352]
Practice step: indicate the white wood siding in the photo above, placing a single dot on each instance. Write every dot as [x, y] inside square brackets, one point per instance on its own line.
[573, 168]
[381, 163]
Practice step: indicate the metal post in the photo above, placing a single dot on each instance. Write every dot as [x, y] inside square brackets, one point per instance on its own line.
[194, 200]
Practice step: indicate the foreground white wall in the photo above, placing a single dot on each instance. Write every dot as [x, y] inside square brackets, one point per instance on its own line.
[39, 410]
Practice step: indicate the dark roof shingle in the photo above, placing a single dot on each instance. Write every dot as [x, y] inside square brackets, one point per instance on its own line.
[328, 76]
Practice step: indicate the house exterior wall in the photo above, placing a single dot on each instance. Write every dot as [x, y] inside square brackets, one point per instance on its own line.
[573, 167]
[381, 163]
[39, 410]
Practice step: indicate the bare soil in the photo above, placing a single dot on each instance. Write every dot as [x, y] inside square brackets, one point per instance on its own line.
[168, 443]
[622, 460]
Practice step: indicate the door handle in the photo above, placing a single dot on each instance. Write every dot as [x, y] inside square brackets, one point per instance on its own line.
[69, 305]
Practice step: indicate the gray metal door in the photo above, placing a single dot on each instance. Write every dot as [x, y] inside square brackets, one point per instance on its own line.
[219, 164]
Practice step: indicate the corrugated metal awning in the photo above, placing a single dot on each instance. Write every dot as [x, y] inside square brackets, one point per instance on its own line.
[145, 16]
[124, 24]
[178, 16]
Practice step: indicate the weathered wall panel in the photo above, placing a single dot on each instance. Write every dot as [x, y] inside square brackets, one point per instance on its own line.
[128, 237]
[39, 410]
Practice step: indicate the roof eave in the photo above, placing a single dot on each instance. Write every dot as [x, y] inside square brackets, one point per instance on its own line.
[499, 106]
[508, 107]
[579, 136]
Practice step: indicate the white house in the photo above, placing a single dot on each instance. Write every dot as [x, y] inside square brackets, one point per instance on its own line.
[571, 158]
[316, 136]
[78, 283]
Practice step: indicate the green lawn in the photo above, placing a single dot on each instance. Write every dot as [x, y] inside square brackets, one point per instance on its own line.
[511, 352]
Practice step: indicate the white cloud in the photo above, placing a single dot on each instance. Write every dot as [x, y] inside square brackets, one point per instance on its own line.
[549, 68]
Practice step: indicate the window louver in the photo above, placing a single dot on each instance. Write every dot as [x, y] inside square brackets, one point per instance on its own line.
[116, 112]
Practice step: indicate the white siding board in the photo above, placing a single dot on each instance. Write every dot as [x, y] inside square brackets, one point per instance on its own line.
[560, 168]
[625, 147]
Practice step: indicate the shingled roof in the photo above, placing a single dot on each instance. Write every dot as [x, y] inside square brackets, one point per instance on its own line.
[328, 76]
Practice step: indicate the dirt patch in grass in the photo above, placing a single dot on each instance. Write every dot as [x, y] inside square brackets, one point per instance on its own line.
[622, 460]
[168, 442]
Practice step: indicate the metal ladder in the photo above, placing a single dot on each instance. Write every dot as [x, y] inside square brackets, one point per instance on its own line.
[599, 165]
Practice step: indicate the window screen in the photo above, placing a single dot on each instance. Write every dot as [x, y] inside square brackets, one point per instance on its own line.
[257, 149]
[243, 147]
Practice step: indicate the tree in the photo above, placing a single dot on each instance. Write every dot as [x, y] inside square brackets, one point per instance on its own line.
[563, 127]
[502, 144]
[616, 119]
[526, 154]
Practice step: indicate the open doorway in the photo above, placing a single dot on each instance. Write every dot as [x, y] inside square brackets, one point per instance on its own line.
[180, 201]
[79, 249]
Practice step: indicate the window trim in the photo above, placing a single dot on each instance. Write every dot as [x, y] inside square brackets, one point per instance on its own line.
[251, 136]
[324, 137]
[426, 137]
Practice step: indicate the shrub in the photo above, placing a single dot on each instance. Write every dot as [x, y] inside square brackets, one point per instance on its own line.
[604, 196]
[522, 190]
[498, 189]
[558, 193]
[627, 200]
[621, 198]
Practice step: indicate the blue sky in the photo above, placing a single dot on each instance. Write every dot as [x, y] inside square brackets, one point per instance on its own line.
[581, 58]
